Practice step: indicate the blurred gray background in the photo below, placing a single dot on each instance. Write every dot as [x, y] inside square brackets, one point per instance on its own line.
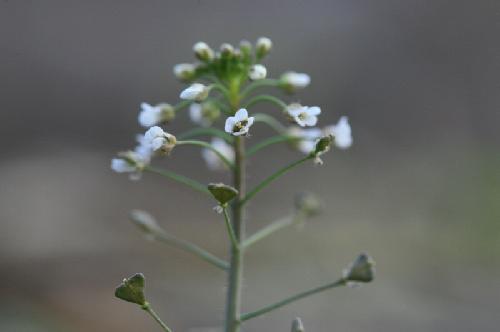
[419, 190]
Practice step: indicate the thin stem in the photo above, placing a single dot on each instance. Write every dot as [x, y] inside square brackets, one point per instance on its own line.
[270, 121]
[272, 228]
[146, 307]
[182, 104]
[179, 178]
[268, 141]
[273, 177]
[230, 229]
[221, 88]
[192, 248]
[210, 147]
[261, 98]
[209, 131]
[257, 84]
[274, 306]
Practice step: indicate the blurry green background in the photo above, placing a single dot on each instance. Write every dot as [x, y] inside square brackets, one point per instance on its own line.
[419, 190]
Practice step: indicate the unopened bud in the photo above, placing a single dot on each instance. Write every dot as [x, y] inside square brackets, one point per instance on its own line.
[132, 289]
[196, 92]
[263, 47]
[257, 72]
[203, 51]
[246, 48]
[361, 270]
[185, 71]
[307, 203]
[226, 50]
[222, 192]
[167, 112]
[297, 325]
[145, 222]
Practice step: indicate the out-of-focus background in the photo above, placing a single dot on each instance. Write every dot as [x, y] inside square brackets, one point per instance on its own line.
[419, 190]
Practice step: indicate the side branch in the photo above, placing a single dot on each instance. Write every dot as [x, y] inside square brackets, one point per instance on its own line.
[271, 228]
[179, 178]
[296, 297]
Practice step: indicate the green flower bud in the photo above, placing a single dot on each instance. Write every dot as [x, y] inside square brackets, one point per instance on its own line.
[246, 48]
[322, 146]
[167, 112]
[132, 289]
[185, 71]
[297, 325]
[263, 47]
[307, 203]
[210, 111]
[361, 270]
[226, 50]
[203, 51]
[222, 192]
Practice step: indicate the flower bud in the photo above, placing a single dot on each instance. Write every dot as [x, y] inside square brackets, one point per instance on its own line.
[322, 146]
[159, 140]
[203, 51]
[196, 92]
[361, 270]
[263, 47]
[246, 48]
[145, 222]
[297, 325]
[167, 112]
[291, 81]
[226, 50]
[257, 72]
[185, 71]
[222, 192]
[307, 203]
[132, 289]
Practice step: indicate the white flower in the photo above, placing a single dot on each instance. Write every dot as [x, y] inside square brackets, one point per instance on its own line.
[239, 124]
[122, 166]
[129, 162]
[213, 161]
[303, 115]
[159, 139]
[293, 80]
[306, 138]
[341, 132]
[196, 91]
[149, 115]
[263, 46]
[184, 71]
[257, 72]
[144, 149]
[203, 51]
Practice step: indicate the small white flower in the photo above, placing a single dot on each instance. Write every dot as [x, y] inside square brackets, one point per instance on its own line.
[239, 124]
[184, 71]
[304, 115]
[149, 115]
[203, 51]
[213, 161]
[122, 166]
[306, 138]
[263, 46]
[341, 132]
[257, 72]
[144, 149]
[293, 80]
[129, 162]
[196, 91]
[158, 139]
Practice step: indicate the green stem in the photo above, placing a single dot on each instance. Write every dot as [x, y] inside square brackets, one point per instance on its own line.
[274, 306]
[182, 104]
[261, 98]
[179, 178]
[221, 88]
[271, 228]
[146, 307]
[209, 131]
[273, 177]
[270, 121]
[210, 147]
[230, 229]
[268, 141]
[260, 83]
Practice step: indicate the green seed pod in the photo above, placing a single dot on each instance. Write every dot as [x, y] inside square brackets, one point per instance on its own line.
[132, 289]
[361, 270]
[222, 193]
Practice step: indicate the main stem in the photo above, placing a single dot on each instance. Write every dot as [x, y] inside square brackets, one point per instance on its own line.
[233, 303]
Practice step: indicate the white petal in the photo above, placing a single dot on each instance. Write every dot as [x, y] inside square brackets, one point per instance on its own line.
[314, 110]
[121, 166]
[230, 122]
[241, 115]
[153, 132]
[157, 143]
[250, 121]
[195, 112]
[311, 121]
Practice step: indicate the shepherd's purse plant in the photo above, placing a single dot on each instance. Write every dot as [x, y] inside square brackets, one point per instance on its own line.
[223, 90]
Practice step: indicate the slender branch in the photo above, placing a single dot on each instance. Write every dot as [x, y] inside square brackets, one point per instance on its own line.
[209, 131]
[210, 147]
[270, 121]
[146, 307]
[192, 248]
[182, 104]
[268, 141]
[257, 84]
[274, 306]
[272, 228]
[261, 98]
[230, 229]
[179, 178]
[273, 177]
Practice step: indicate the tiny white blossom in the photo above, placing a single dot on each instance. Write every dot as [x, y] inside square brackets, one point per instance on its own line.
[213, 161]
[149, 115]
[239, 124]
[303, 115]
[293, 80]
[184, 71]
[196, 91]
[306, 138]
[144, 149]
[203, 51]
[263, 46]
[257, 72]
[341, 132]
[122, 166]
[159, 139]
